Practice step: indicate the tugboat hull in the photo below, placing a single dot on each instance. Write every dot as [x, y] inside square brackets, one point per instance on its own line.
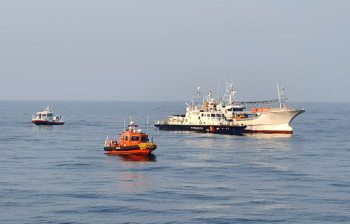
[39, 122]
[218, 129]
[128, 150]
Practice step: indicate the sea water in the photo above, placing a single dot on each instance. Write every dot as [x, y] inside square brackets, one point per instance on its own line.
[61, 174]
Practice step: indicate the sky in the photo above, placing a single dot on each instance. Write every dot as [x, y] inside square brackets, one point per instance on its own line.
[163, 50]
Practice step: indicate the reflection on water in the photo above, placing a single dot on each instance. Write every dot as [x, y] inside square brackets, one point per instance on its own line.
[267, 135]
[42, 127]
[134, 181]
[235, 143]
[135, 158]
[282, 167]
[208, 140]
[270, 142]
[130, 181]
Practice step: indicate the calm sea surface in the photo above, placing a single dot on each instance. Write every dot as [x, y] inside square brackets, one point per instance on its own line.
[60, 174]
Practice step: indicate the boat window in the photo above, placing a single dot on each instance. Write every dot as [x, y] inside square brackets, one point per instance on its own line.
[208, 115]
[212, 115]
[126, 138]
[218, 115]
[135, 138]
[202, 115]
[144, 139]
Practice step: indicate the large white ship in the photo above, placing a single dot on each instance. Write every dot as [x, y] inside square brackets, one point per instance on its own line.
[269, 119]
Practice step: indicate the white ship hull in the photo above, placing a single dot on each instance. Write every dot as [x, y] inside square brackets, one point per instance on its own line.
[273, 121]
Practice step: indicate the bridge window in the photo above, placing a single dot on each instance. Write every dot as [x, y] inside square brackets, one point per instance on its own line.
[212, 115]
[135, 138]
[144, 139]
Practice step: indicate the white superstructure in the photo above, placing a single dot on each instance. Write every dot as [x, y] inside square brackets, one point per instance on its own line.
[202, 117]
[200, 114]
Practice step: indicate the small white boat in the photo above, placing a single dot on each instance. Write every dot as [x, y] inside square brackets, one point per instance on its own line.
[47, 117]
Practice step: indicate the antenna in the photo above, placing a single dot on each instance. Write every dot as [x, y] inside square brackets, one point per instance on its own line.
[124, 124]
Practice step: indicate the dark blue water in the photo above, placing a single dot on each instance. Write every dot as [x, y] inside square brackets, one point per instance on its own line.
[60, 174]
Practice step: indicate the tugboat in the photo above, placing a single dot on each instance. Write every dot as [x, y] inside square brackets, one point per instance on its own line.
[47, 117]
[202, 117]
[131, 142]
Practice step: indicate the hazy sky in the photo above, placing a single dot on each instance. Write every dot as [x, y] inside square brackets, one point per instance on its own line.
[164, 50]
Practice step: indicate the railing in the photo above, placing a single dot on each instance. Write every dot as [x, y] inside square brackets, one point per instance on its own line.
[161, 122]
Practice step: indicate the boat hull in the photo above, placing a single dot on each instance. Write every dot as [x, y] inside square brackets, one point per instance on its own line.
[135, 157]
[128, 150]
[40, 122]
[219, 129]
[274, 122]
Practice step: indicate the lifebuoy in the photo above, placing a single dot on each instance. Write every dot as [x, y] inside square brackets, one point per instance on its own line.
[186, 120]
[200, 122]
[225, 111]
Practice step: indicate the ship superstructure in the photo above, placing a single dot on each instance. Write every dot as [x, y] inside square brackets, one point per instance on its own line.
[201, 117]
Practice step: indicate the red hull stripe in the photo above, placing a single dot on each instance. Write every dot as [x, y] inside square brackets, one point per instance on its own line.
[139, 152]
[47, 122]
[268, 131]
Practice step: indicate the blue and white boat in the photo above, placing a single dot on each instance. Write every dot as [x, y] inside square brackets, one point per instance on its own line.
[202, 117]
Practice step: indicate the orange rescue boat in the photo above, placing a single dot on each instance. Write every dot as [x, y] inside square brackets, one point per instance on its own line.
[131, 142]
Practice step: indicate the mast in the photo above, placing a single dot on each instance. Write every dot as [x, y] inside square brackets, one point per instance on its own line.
[229, 96]
[282, 98]
[279, 95]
